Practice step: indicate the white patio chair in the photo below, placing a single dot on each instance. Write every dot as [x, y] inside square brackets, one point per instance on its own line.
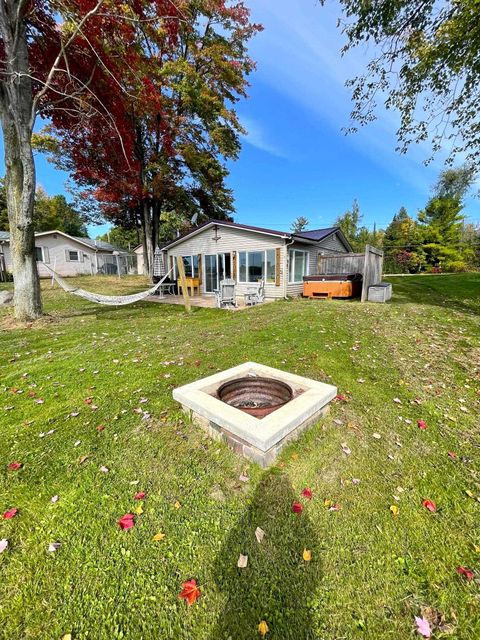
[255, 295]
[225, 295]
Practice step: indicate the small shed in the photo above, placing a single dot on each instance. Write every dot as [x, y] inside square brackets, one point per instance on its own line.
[369, 264]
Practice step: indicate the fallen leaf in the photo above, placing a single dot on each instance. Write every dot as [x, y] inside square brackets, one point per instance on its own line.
[356, 481]
[15, 466]
[430, 505]
[11, 513]
[452, 455]
[294, 456]
[340, 397]
[377, 436]
[127, 521]
[335, 507]
[397, 400]
[307, 555]
[346, 450]
[423, 627]
[463, 571]
[297, 507]
[54, 546]
[177, 505]
[422, 424]
[262, 628]
[100, 427]
[104, 469]
[3, 545]
[259, 534]
[139, 496]
[54, 499]
[395, 510]
[338, 422]
[139, 510]
[242, 561]
[190, 592]
[67, 636]
[82, 459]
[243, 478]
[307, 493]
[158, 536]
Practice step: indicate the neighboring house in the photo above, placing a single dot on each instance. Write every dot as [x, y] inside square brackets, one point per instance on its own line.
[69, 255]
[218, 250]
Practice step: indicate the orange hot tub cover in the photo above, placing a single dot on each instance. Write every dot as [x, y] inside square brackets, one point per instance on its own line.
[332, 286]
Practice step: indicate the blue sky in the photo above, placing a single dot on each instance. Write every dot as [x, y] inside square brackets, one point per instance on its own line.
[295, 159]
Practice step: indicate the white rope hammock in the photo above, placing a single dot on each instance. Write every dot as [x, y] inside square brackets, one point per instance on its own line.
[101, 299]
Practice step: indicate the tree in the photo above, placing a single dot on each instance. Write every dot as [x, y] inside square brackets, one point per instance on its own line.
[402, 245]
[54, 212]
[123, 238]
[299, 224]
[69, 69]
[178, 116]
[426, 67]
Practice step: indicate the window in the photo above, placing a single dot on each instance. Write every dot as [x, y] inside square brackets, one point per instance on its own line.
[191, 266]
[298, 265]
[73, 256]
[39, 254]
[254, 266]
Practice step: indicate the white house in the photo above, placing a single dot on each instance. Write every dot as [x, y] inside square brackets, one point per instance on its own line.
[70, 255]
[217, 250]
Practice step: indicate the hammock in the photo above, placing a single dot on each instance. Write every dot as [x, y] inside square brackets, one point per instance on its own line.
[101, 299]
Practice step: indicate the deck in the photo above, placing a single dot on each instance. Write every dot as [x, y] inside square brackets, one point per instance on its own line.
[207, 302]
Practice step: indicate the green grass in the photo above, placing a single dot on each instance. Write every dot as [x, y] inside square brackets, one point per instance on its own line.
[371, 573]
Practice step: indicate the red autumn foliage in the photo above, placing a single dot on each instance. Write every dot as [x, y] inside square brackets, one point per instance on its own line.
[15, 466]
[190, 592]
[297, 507]
[430, 505]
[422, 424]
[139, 496]
[307, 493]
[127, 521]
[463, 571]
[11, 513]
[340, 398]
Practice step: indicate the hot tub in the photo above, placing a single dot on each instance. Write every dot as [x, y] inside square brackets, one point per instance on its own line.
[334, 285]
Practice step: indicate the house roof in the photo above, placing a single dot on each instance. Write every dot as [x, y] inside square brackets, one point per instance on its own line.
[88, 242]
[308, 236]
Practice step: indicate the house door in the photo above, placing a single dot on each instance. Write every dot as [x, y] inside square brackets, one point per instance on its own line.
[217, 267]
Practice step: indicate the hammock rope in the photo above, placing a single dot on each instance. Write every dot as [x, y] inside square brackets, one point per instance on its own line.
[102, 299]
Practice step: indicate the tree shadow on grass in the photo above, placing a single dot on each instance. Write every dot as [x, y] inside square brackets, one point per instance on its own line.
[277, 585]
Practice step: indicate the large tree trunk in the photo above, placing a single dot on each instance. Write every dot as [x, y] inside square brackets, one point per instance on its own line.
[16, 113]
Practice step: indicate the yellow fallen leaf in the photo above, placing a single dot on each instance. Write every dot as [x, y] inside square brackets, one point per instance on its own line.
[307, 555]
[67, 636]
[395, 510]
[158, 536]
[139, 510]
[177, 505]
[263, 628]
[469, 493]
[476, 548]
[328, 503]
[294, 456]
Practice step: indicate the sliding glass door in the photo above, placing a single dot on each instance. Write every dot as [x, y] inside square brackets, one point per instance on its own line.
[218, 266]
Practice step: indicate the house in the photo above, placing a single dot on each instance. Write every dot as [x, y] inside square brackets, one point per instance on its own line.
[70, 255]
[217, 250]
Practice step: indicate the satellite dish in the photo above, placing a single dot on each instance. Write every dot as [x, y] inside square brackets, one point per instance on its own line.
[195, 218]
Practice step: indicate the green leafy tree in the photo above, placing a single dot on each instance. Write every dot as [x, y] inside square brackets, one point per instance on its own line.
[299, 224]
[425, 66]
[123, 238]
[357, 235]
[54, 212]
[401, 243]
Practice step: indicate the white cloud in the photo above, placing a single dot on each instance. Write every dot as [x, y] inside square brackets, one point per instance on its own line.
[258, 137]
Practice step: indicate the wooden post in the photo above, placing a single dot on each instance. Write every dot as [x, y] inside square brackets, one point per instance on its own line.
[183, 283]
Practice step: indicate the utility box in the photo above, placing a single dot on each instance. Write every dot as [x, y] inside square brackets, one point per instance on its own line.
[380, 292]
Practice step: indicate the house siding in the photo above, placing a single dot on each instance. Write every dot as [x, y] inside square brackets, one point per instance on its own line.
[230, 240]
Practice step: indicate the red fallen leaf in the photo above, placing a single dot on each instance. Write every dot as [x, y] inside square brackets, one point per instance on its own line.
[190, 592]
[463, 571]
[307, 493]
[88, 400]
[14, 390]
[452, 455]
[139, 496]
[100, 427]
[197, 363]
[15, 466]
[422, 424]
[335, 507]
[340, 397]
[430, 505]
[11, 513]
[127, 521]
[31, 394]
[297, 507]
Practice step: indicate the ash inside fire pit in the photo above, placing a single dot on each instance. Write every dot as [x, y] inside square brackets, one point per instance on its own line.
[255, 395]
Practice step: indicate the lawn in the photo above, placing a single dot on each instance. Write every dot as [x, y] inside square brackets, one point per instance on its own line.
[371, 572]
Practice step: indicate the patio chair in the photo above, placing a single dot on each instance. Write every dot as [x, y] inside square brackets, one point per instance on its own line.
[255, 295]
[225, 295]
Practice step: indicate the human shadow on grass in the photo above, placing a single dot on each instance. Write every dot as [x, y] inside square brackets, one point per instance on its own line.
[277, 585]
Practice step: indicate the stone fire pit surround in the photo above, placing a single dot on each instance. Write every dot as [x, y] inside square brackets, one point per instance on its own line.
[259, 439]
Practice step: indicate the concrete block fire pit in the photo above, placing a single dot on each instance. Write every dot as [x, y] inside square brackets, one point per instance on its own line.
[256, 409]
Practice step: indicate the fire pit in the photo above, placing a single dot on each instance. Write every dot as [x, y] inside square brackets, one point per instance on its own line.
[256, 409]
[255, 395]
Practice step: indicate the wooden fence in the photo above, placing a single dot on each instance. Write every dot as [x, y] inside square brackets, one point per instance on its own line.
[369, 264]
